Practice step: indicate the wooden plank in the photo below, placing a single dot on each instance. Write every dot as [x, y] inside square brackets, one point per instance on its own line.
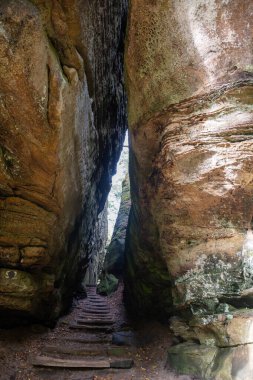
[96, 297]
[95, 306]
[46, 361]
[90, 327]
[88, 350]
[95, 311]
[97, 317]
[92, 317]
[95, 321]
[90, 308]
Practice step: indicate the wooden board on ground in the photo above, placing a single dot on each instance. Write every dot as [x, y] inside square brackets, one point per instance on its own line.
[85, 340]
[90, 311]
[90, 327]
[96, 305]
[86, 351]
[92, 317]
[95, 321]
[46, 361]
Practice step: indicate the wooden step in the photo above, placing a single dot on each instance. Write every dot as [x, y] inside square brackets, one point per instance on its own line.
[90, 308]
[95, 316]
[46, 361]
[90, 327]
[91, 350]
[96, 311]
[105, 339]
[93, 304]
[95, 299]
[88, 350]
[96, 307]
[92, 316]
[95, 321]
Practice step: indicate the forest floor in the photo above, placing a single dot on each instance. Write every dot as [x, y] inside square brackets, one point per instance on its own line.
[148, 349]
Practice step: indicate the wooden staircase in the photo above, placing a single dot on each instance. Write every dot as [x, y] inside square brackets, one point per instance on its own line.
[93, 348]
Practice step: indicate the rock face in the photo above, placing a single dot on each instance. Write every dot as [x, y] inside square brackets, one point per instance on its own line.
[62, 118]
[114, 259]
[114, 262]
[189, 76]
[212, 363]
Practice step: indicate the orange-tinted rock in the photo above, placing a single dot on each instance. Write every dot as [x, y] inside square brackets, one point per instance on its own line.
[9, 255]
[57, 153]
[34, 256]
[189, 76]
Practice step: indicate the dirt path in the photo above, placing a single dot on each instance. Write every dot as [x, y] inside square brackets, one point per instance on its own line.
[20, 348]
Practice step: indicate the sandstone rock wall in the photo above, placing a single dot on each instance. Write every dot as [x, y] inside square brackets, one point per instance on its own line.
[189, 76]
[62, 123]
[115, 255]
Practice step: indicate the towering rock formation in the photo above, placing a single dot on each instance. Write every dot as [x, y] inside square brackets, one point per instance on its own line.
[62, 123]
[189, 74]
[114, 263]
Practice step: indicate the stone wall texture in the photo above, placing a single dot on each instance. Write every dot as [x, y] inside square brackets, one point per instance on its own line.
[189, 74]
[62, 124]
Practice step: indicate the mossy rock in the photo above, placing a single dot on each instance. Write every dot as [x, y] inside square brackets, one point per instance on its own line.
[108, 284]
[192, 359]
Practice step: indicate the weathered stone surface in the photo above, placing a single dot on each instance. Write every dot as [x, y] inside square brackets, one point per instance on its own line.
[108, 284]
[113, 265]
[189, 80]
[192, 359]
[99, 241]
[212, 363]
[62, 118]
[115, 255]
[223, 330]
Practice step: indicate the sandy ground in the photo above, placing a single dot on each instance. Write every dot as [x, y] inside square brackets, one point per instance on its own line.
[19, 345]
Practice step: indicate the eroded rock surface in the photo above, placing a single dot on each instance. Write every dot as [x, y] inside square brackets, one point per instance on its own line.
[211, 363]
[115, 255]
[62, 123]
[190, 86]
[114, 263]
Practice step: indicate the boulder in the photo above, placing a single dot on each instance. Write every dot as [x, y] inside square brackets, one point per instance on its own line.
[232, 328]
[108, 284]
[211, 363]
